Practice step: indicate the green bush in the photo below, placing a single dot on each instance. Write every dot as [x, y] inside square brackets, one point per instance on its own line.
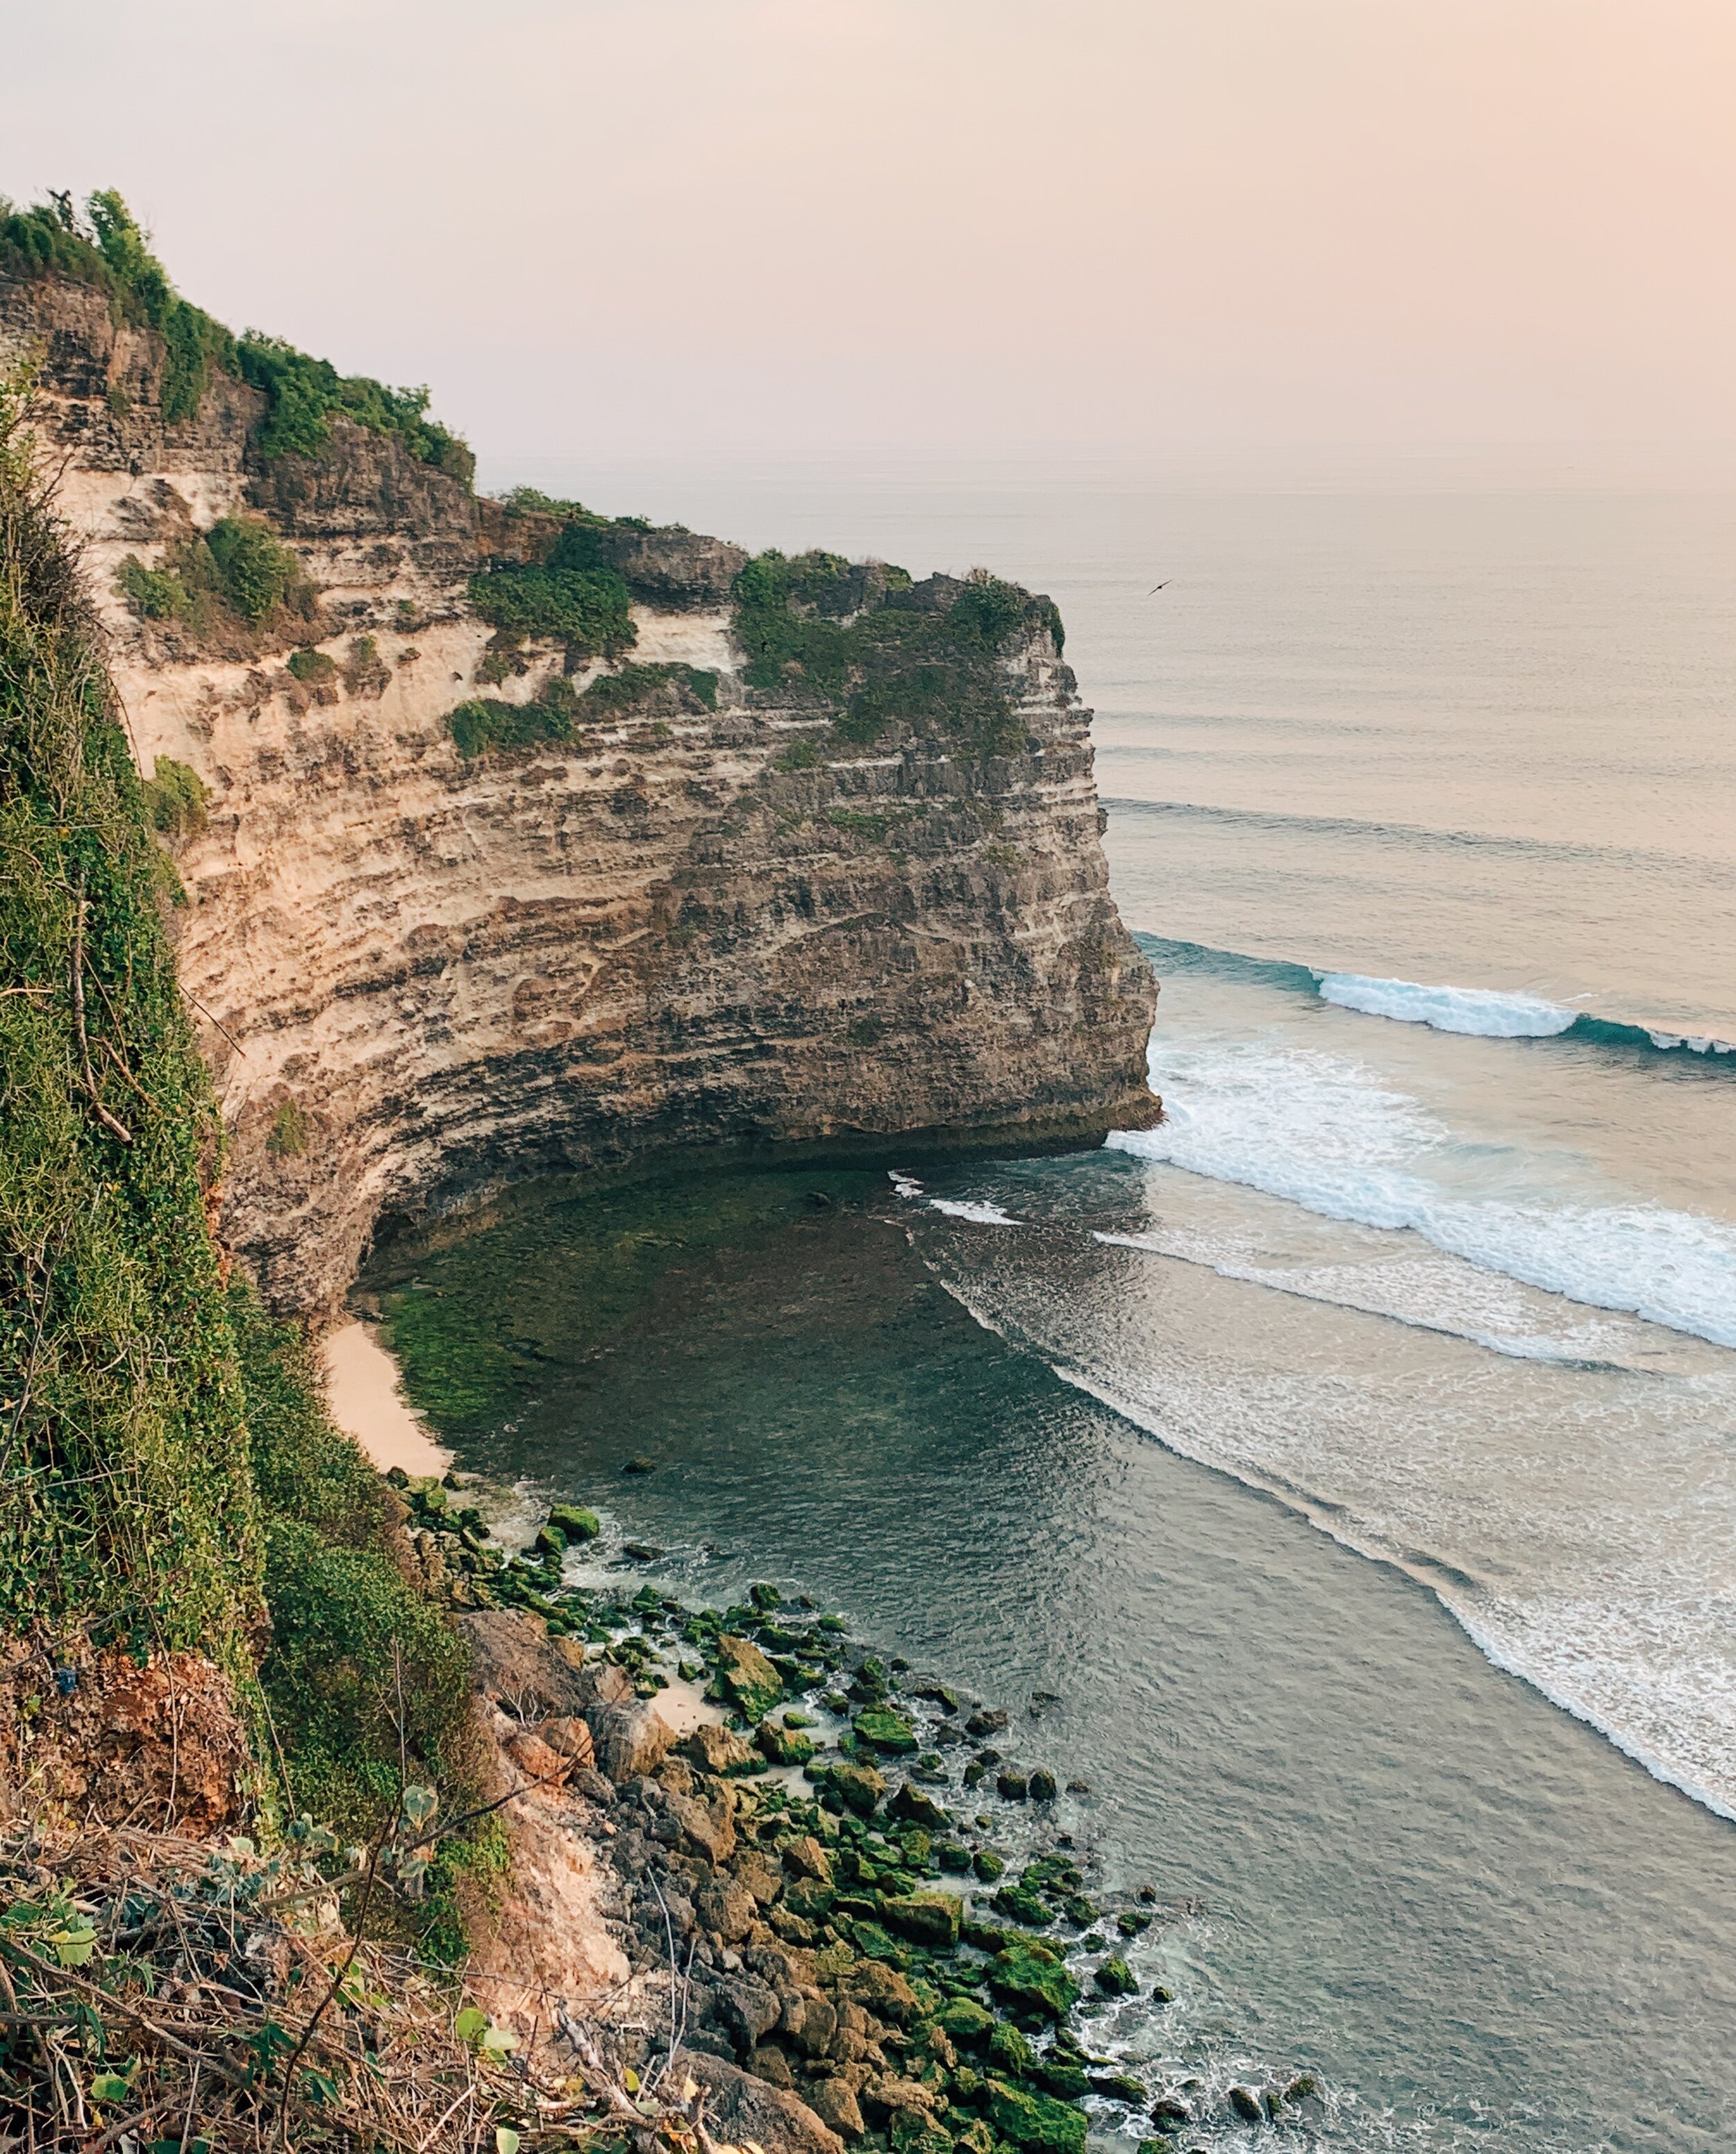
[484, 724]
[255, 571]
[887, 659]
[585, 609]
[176, 799]
[310, 665]
[126, 1505]
[156, 594]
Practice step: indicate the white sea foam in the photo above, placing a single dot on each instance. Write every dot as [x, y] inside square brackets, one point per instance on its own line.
[1480, 1010]
[1325, 1134]
[905, 1185]
[982, 1215]
[1696, 1043]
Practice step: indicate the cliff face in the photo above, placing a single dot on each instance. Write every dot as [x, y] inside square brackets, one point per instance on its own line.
[420, 974]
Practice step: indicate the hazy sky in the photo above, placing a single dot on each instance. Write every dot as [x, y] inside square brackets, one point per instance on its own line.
[604, 225]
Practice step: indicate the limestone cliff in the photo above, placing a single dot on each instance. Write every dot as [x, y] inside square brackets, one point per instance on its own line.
[703, 916]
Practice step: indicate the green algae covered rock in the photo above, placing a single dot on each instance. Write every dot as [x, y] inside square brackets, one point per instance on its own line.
[1028, 1978]
[925, 1918]
[1036, 2123]
[861, 1787]
[1115, 1978]
[576, 1525]
[886, 1730]
[783, 1746]
[1010, 2052]
[1023, 1906]
[966, 2020]
[747, 1677]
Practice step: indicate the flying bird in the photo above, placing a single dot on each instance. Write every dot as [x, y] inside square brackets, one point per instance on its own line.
[1163, 586]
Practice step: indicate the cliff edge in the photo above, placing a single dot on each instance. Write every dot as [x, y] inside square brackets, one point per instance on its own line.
[511, 837]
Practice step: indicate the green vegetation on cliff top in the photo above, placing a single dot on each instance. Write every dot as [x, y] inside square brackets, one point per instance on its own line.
[107, 249]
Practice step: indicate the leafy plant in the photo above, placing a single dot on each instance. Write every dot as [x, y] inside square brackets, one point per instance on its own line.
[815, 623]
[287, 1138]
[311, 666]
[176, 799]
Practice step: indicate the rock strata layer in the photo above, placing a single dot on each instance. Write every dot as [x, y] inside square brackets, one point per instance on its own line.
[420, 975]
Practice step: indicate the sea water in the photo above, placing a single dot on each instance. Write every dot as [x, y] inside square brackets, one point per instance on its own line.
[1354, 1454]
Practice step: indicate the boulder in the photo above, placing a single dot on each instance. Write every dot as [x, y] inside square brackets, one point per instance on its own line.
[729, 1910]
[1031, 1979]
[573, 1524]
[967, 2021]
[740, 2108]
[783, 1746]
[860, 1786]
[836, 2106]
[1023, 1906]
[811, 2021]
[715, 1749]
[706, 1828]
[749, 1677]
[767, 2062]
[757, 1875]
[807, 1858]
[884, 1991]
[1010, 2052]
[1043, 1787]
[1013, 1786]
[514, 1661]
[985, 1722]
[535, 1760]
[570, 1737]
[911, 1806]
[1035, 2122]
[1119, 2086]
[886, 1730]
[1245, 2105]
[748, 2009]
[1115, 1978]
[807, 1897]
[630, 1739]
[925, 1918]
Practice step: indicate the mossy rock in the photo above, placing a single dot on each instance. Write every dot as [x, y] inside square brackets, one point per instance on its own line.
[1120, 2086]
[1036, 2123]
[809, 1898]
[1023, 1906]
[576, 1525]
[747, 1677]
[1079, 1911]
[987, 1864]
[783, 1746]
[1030, 1979]
[873, 1942]
[1010, 2052]
[1061, 2077]
[913, 1807]
[1115, 1978]
[925, 1918]
[952, 1856]
[967, 2021]
[887, 1731]
[861, 1786]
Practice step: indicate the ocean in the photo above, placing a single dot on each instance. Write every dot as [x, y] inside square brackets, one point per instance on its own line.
[1354, 1454]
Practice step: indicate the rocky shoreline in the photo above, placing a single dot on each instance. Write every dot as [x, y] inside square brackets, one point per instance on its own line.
[802, 1849]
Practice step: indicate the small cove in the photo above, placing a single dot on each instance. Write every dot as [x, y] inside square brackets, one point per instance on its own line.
[1407, 1871]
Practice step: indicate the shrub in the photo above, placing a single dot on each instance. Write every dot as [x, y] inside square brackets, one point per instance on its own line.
[585, 609]
[800, 755]
[176, 799]
[484, 724]
[156, 594]
[311, 666]
[129, 1506]
[255, 571]
[816, 620]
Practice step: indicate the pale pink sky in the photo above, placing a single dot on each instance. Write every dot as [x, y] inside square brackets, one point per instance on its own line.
[597, 226]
